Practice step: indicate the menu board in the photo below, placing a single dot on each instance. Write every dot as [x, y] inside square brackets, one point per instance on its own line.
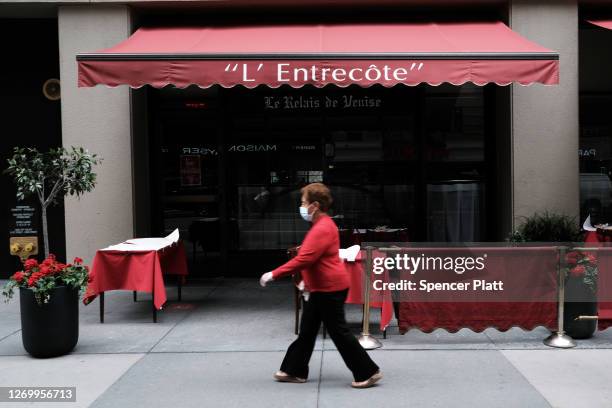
[23, 221]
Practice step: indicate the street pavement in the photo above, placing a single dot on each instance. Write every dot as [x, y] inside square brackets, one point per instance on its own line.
[220, 346]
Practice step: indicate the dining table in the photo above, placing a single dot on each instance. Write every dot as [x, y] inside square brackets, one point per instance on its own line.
[139, 268]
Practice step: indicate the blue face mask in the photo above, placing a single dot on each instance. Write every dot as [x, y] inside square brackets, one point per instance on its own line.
[304, 213]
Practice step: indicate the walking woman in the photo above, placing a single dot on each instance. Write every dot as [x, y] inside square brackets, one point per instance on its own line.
[327, 283]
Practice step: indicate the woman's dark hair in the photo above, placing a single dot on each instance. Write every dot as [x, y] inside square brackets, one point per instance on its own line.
[320, 193]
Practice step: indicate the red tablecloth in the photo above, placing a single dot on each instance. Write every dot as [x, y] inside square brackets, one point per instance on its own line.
[136, 270]
[378, 299]
[533, 270]
[597, 236]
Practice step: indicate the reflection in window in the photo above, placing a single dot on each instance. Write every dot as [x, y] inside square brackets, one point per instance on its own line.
[355, 145]
[371, 206]
[454, 120]
[309, 176]
[268, 217]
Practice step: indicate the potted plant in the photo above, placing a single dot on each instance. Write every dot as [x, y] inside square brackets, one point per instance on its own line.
[49, 291]
[547, 227]
[580, 272]
[49, 299]
[580, 269]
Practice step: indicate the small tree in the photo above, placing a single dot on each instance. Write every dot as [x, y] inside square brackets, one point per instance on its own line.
[51, 175]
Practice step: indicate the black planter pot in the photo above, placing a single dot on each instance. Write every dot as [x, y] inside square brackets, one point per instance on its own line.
[580, 301]
[50, 329]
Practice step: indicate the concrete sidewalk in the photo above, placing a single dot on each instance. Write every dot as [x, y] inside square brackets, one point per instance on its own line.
[222, 343]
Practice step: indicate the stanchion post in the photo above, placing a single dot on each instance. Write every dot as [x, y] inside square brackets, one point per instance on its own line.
[560, 339]
[366, 340]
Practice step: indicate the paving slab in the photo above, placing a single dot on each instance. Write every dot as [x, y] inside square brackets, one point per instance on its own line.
[567, 378]
[90, 374]
[431, 378]
[221, 379]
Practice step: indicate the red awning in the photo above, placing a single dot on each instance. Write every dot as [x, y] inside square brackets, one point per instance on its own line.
[602, 23]
[340, 54]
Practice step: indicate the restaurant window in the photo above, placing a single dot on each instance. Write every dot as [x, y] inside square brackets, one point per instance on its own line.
[595, 144]
[595, 157]
[403, 164]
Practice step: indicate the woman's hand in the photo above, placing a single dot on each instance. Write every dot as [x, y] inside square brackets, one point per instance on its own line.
[265, 278]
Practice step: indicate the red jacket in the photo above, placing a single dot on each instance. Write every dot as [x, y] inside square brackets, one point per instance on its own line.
[318, 259]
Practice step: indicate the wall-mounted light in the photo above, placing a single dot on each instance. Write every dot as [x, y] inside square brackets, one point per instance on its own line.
[51, 89]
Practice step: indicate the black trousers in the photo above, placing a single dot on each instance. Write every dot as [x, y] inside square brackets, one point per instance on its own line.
[327, 307]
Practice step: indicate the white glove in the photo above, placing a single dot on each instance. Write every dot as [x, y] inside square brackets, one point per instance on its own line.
[302, 287]
[265, 278]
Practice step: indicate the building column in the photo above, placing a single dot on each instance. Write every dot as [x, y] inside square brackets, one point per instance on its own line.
[97, 119]
[545, 130]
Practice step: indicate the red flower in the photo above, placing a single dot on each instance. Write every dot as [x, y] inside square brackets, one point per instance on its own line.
[591, 258]
[572, 257]
[50, 260]
[578, 271]
[30, 263]
[77, 260]
[45, 270]
[34, 278]
[18, 276]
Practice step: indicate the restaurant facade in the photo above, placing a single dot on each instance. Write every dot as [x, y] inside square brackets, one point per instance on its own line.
[431, 121]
